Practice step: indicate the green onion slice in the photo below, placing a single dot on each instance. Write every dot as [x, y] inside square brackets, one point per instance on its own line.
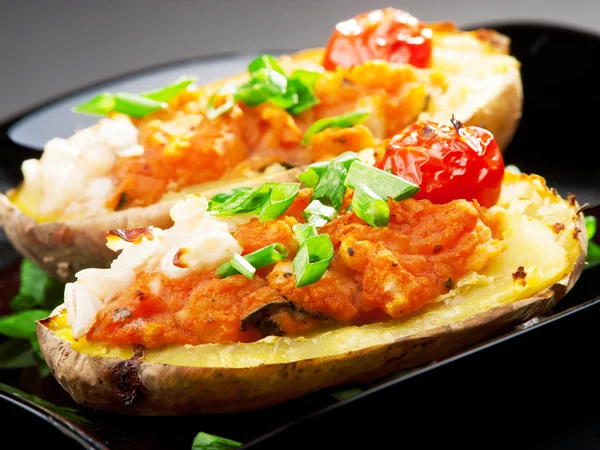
[384, 184]
[269, 201]
[330, 189]
[170, 91]
[318, 214]
[213, 112]
[341, 121]
[593, 251]
[312, 260]
[303, 231]
[278, 200]
[243, 266]
[269, 82]
[135, 105]
[205, 441]
[370, 207]
[310, 177]
[222, 197]
[260, 258]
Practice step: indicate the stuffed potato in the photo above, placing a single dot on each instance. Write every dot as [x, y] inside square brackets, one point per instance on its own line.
[130, 168]
[261, 295]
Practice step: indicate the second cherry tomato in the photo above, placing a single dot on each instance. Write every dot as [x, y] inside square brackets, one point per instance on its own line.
[389, 34]
[448, 162]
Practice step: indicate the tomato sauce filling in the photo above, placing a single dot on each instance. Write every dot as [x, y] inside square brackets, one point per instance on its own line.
[182, 147]
[377, 274]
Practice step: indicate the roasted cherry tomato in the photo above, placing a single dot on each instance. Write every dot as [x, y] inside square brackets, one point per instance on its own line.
[389, 34]
[448, 162]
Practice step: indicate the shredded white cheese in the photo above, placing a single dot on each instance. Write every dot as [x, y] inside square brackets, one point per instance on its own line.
[197, 242]
[73, 174]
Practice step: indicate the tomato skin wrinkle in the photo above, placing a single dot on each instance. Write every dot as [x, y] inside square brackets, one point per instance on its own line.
[389, 34]
[447, 162]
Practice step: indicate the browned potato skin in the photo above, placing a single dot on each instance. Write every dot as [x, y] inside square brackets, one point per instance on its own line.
[63, 248]
[135, 387]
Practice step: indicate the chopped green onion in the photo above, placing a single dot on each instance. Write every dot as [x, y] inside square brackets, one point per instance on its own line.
[341, 121]
[222, 197]
[135, 105]
[310, 177]
[260, 258]
[330, 189]
[318, 214]
[205, 441]
[303, 231]
[269, 201]
[384, 184]
[312, 260]
[264, 85]
[370, 207]
[269, 82]
[170, 91]
[213, 112]
[278, 200]
[243, 266]
[265, 62]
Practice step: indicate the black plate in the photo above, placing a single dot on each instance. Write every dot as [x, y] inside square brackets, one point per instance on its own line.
[498, 377]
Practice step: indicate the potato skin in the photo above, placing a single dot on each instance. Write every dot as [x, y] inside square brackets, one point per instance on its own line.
[135, 387]
[65, 247]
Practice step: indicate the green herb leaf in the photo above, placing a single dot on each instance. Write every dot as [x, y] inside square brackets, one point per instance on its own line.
[260, 258]
[303, 231]
[302, 82]
[264, 84]
[68, 413]
[205, 441]
[342, 121]
[265, 62]
[384, 184]
[16, 354]
[37, 289]
[370, 207]
[21, 325]
[135, 105]
[243, 266]
[311, 176]
[318, 214]
[312, 260]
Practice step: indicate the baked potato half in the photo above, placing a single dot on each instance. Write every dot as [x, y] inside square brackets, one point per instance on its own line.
[545, 246]
[470, 75]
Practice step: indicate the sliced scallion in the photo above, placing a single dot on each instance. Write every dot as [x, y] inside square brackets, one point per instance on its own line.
[312, 260]
[135, 105]
[370, 207]
[318, 214]
[342, 121]
[303, 231]
[260, 258]
[212, 111]
[330, 189]
[278, 200]
[310, 177]
[243, 266]
[269, 201]
[384, 184]
[227, 195]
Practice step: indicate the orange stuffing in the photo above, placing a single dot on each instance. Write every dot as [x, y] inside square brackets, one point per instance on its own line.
[377, 274]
